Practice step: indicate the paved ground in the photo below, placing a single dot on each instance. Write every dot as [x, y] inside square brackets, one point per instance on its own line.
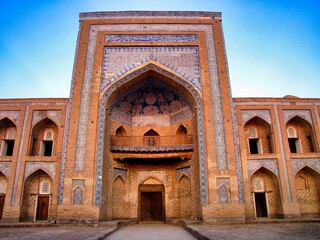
[54, 233]
[275, 231]
[151, 232]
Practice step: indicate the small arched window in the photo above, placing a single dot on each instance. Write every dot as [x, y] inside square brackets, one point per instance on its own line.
[292, 133]
[47, 143]
[294, 141]
[151, 138]
[254, 141]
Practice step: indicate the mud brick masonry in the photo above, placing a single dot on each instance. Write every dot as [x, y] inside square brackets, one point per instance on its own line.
[151, 132]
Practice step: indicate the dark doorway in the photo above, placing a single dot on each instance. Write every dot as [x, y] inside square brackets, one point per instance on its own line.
[261, 204]
[42, 208]
[2, 198]
[151, 202]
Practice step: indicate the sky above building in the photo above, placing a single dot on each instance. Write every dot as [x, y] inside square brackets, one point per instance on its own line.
[273, 46]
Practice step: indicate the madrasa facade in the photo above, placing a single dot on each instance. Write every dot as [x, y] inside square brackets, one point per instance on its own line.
[151, 132]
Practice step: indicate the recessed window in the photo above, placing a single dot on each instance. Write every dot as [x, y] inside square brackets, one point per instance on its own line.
[294, 144]
[254, 146]
[46, 148]
[7, 147]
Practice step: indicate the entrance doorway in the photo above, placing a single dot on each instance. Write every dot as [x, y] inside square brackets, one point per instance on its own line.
[151, 203]
[261, 204]
[42, 208]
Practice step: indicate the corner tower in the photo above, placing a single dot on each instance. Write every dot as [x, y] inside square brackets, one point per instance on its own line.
[150, 123]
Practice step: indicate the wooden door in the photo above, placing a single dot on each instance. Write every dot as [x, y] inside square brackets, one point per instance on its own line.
[151, 206]
[2, 198]
[42, 208]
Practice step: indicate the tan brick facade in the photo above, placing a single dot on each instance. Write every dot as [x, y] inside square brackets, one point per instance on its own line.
[151, 132]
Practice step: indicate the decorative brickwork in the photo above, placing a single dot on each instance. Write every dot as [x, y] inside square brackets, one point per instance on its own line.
[307, 189]
[119, 203]
[185, 197]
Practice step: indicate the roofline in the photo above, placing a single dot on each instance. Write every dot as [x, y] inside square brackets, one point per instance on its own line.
[150, 14]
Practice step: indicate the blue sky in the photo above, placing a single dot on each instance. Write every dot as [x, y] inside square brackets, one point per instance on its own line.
[273, 46]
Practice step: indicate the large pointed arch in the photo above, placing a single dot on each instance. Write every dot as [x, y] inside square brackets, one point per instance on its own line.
[109, 97]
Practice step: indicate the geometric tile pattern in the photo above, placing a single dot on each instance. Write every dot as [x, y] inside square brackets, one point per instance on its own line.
[78, 182]
[48, 167]
[158, 175]
[270, 164]
[12, 115]
[298, 164]
[120, 60]
[304, 114]
[5, 168]
[151, 38]
[249, 114]
[39, 115]
[121, 172]
[183, 171]
[223, 186]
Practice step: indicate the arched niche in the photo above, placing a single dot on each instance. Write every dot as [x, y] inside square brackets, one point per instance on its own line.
[300, 136]
[7, 136]
[43, 138]
[121, 90]
[265, 189]
[307, 186]
[258, 135]
[36, 201]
